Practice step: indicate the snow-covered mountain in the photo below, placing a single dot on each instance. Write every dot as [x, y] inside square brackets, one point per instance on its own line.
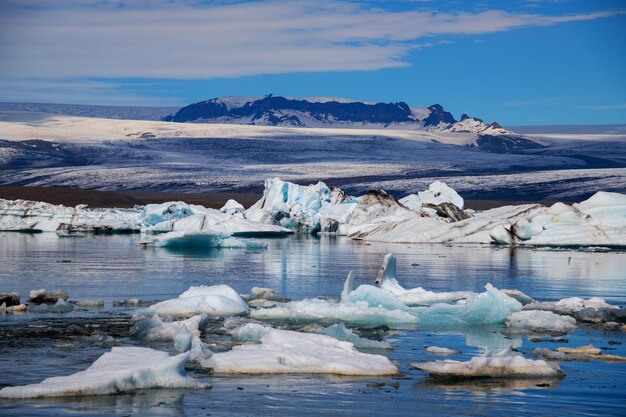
[274, 110]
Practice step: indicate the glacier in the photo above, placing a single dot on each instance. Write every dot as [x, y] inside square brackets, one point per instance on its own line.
[123, 369]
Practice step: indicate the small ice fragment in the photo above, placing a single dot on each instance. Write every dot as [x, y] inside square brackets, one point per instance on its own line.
[59, 307]
[582, 353]
[340, 332]
[435, 350]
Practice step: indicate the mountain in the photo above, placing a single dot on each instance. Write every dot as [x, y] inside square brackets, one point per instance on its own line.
[274, 110]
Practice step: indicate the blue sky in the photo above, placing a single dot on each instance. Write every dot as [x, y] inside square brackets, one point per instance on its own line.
[518, 62]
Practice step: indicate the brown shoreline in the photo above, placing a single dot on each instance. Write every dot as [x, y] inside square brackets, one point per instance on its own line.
[125, 199]
[216, 199]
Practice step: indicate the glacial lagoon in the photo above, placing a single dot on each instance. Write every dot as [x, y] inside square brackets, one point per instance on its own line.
[114, 267]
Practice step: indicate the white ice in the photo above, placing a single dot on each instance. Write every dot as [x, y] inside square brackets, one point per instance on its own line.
[438, 192]
[215, 300]
[436, 350]
[153, 329]
[504, 364]
[538, 321]
[284, 351]
[123, 369]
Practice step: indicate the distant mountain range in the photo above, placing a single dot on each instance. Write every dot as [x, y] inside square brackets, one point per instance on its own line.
[274, 110]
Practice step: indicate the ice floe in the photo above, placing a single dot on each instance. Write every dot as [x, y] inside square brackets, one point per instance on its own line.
[285, 351]
[541, 321]
[582, 353]
[435, 350]
[123, 369]
[504, 364]
[593, 310]
[59, 307]
[216, 300]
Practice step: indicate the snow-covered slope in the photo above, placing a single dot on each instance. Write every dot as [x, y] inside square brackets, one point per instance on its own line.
[274, 110]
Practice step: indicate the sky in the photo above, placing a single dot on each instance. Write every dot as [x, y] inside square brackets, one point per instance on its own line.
[518, 62]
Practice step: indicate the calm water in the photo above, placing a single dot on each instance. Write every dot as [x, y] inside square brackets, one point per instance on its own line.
[114, 268]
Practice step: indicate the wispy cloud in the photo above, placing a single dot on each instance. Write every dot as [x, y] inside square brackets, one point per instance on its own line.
[200, 41]
[609, 107]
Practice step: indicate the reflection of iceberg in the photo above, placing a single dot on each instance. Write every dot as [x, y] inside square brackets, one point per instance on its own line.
[123, 369]
[200, 240]
[284, 351]
[214, 300]
[487, 337]
[504, 364]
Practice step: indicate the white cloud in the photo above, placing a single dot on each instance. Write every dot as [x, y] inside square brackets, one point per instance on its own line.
[164, 40]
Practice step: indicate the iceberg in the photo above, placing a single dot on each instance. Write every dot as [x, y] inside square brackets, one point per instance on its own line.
[594, 310]
[285, 351]
[504, 364]
[386, 279]
[216, 300]
[123, 369]
[489, 307]
[158, 213]
[59, 307]
[233, 208]
[597, 221]
[438, 192]
[541, 321]
[36, 216]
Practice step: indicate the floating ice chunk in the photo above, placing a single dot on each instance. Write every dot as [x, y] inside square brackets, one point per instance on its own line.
[154, 329]
[435, 350]
[438, 192]
[591, 310]
[284, 351]
[348, 286]
[538, 321]
[582, 353]
[340, 332]
[504, 364]
[123, 369]
[89, 303]
[488, 307]
[323, 311]
[214, 300]
[59, 307]
[386, 279]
